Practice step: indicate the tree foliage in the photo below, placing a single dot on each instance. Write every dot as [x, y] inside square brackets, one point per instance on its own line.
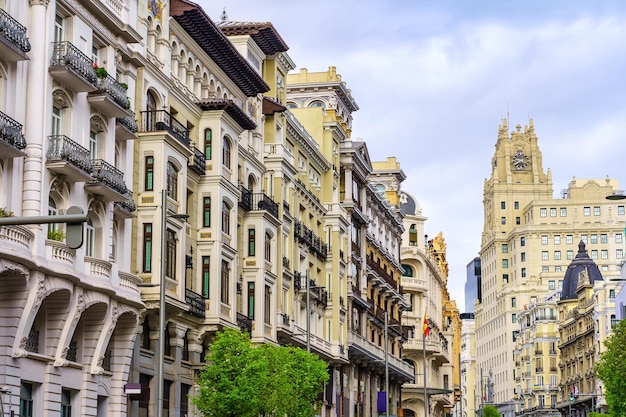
[611, 368]
[244, 380]
[491, 411]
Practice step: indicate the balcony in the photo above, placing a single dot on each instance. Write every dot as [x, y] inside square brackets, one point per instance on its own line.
[244, 323]
[160, 120]
[257, 201]
[126, 127]
[72, 68]
[11, 137]
[110, 97]
[125, 209]
[68, 158]
[108, 181]
[196, 303]
[198, 163]
[13, 40]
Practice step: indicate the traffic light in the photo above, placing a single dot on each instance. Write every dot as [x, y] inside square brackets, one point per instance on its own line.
[572, 393]
[74, 235]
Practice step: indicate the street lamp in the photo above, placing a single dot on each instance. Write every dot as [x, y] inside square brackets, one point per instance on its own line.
[161, 333]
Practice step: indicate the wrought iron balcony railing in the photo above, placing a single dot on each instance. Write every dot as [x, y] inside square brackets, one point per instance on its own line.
[116, 91]
[195, 301]
[62, 148]
[244, 323]
[129, 204]
[11, 132]
[64, 54]
[198, 163]
[159, 120]
[257, 201]
[13, 31]
[128, 122]
[109, 175]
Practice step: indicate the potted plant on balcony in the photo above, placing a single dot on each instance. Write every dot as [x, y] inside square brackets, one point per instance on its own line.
[100, 72]
[5, 212]
[56, 234]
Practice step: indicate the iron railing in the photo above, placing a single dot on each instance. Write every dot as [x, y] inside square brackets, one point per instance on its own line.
[128, 122]
[11, 131]
[195, 301]
[159, 120]
[62, 148]
[129, 204]
[108, 174]
[113, 89]
[13, 31]
[64, 54]
[244, 323]
[257, 201]
[198, 163]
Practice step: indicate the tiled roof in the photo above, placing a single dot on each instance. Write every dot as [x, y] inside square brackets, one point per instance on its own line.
[231, 109]
[203, 30]
[263, 33]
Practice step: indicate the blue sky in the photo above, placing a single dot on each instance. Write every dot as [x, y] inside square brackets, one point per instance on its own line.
[434, 79]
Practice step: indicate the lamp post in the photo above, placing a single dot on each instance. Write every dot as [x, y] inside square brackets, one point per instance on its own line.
[386, 367]
[161, 333]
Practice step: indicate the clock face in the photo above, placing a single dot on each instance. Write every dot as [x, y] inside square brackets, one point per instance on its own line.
[520, 160]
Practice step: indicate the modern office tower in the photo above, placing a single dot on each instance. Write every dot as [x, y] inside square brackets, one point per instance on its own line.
[69, 316]
[528, 240]
[424, 283]
[587, 314]
[472, 285]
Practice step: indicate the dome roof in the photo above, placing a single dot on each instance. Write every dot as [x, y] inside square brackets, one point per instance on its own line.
[581, 262]
[408, 204]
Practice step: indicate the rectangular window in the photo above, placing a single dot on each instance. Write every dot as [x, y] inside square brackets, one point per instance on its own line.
[570, 255]
[557, 268]
[503, 205]
[545, 256]
[505, 263]
[569, 239]
[206, 276]
[586, 211]
[523, 256]
[66, 403]
[619, 253]
[563, 212]
[268, 305]
[545, 268]
[557, 255]
[505, 248]
[170, 259]
[56, 122]
[513, 318]
[505, 278]
[611, 294]
[557, 239]
[251, 242]
[518, 220]
[184, 399]
[516, 205]
[584, 238]
[543, 212]
[26, 399]
[149, 168]
[268, 248]
[604, 254]
[551, 285]
[596, 210]
[251, 300]
[620, 210]
[522, 241]
[544, 239]
[225, 218]
[147, 247]
[604, 238]
[513, 302]
[594, 254]
[523, 272]
[503, 220]
[553, 212]
[208, 143]
[172, 181]
[225, 283]
[619, 238]
[594, 238]
[206, 212]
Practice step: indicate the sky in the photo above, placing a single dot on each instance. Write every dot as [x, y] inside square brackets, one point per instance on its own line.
[434, 79]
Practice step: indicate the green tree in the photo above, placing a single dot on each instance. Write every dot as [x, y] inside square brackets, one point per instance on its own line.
[611, 368]
[244, 380]
[491, 411]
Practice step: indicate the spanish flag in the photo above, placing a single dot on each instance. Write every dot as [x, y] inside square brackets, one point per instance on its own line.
[426, 329]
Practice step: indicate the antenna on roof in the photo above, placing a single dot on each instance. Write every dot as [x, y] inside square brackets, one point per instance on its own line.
[224, 16]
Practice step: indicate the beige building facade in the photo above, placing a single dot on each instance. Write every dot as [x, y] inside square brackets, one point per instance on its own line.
[529, 239]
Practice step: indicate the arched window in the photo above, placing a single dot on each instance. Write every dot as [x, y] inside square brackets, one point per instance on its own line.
[226, 152]
[90, 238]
[317, 103]
[172, 181]
[225, 217]
[268, 247]
[408, 271]
[52, 211]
